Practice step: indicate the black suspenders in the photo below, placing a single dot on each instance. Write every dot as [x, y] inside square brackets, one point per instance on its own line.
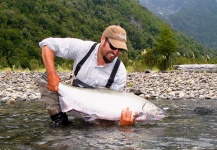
[114, 71]
[78, 67]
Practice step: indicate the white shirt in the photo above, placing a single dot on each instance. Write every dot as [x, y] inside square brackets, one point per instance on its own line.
[90, 73]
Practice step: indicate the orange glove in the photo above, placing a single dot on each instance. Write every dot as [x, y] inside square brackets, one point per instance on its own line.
[53, 82]
[127, 118]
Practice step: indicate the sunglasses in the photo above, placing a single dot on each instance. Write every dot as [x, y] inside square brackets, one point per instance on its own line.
[114, 48]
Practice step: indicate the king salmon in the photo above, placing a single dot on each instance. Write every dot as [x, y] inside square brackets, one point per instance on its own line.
[106, 104]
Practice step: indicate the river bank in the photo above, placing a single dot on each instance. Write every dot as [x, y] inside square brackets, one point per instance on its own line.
[22, 86]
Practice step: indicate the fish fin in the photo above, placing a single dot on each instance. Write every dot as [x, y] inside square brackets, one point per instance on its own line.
[138, 115]
[90, 118]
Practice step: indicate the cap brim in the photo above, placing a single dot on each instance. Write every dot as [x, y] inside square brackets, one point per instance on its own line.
[118, 44]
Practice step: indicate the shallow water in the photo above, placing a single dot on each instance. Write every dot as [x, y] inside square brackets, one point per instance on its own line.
[27, 126]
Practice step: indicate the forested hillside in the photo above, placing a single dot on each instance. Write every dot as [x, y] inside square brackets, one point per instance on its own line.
[200, 24]
[163, 7]
[24, 23]
[195, 18]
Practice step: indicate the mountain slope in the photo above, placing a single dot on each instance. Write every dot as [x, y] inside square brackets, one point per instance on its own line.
[195, 18]
[24, 23]
[198, 19]
[163, 7]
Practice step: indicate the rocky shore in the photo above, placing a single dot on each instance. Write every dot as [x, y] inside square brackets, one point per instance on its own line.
[22, 86]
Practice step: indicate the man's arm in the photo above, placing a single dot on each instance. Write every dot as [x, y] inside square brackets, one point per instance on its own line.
[48, 59]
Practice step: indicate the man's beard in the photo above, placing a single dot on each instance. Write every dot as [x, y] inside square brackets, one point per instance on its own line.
[106, 59]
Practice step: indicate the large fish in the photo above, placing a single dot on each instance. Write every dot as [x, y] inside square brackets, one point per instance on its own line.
[106, 104]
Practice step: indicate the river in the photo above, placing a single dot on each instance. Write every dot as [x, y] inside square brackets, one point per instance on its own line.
[27, 126]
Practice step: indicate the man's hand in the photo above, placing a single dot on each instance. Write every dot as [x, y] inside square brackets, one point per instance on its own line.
[127, 118]
[53, 82]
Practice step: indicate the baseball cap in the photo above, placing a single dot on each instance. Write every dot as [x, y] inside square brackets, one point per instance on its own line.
[117, 36]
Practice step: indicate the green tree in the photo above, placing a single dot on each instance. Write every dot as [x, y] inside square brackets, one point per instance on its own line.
[165, 47]
[149, 57]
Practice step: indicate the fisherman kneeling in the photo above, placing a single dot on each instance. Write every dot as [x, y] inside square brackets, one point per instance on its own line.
[95, 65]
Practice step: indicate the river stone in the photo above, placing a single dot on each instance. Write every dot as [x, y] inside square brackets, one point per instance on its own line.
[11, 101]
[2, 75]
[181, 95]
[203, 111]
[172, 85]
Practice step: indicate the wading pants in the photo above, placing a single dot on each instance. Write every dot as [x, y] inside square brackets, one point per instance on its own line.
[50, 99]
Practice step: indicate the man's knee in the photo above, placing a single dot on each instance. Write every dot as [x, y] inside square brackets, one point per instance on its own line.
[51, 100]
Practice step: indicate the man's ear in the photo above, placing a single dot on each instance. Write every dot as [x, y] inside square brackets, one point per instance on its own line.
[102, 39]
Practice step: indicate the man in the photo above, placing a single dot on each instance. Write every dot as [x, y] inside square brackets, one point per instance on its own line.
[94, 65]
